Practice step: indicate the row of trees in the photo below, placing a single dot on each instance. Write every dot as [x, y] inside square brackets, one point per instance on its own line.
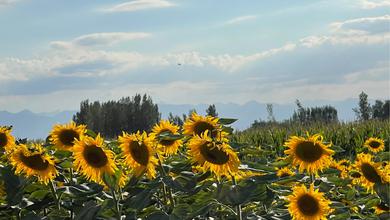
[112, 117]
[380, 110]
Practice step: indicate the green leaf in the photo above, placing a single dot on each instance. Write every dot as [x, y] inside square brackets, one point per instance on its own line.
[66, 164]
[39, 195]
[158, 216]
[227, 121]
[89, 211]
[31, 216]
[382, 189]
[13, 186]
[91, 133]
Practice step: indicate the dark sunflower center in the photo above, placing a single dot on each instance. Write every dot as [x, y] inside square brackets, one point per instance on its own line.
[383, 207]
[309, 151]
[308, 205]
[67, 137]
[139, 152]
[95, 156]
[34, 162]
[3, 140]
[284, 174]
[213, 154]
[166, 142]
[370, 173]
[356, 175]
[201, 127]
[374, 144]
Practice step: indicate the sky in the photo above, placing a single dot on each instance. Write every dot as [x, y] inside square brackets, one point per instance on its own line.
[54, 54]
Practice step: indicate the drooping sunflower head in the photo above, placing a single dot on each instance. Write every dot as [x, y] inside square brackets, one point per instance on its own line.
[284, 172]
[139, 153]
[167, 146]
[197, 124]
[310, 153]
[374, 144]
[7, 141]
[64, 136]
[92, 160]
[308, 204]
[217, 157]
[33, 161]
[370, 173]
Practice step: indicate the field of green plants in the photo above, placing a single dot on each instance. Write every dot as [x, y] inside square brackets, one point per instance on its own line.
[202, 170]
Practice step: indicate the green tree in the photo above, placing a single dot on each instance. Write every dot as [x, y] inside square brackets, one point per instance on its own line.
[363, 112]
[212, 111]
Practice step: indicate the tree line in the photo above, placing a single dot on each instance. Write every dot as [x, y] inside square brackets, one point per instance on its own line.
[140, 113]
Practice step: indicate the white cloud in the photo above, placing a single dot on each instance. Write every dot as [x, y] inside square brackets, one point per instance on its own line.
[100, 39]
[371, 4]
[139, 5]
[7, 2]
[361, 26]
[240, 19]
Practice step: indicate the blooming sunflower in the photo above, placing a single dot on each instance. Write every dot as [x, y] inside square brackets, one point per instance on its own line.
[140, 156]
[375, 144]
[370, 173]
[309, 153]
[197, 124]
[33, 162]
[64, 136]
[7, 141]
[341, 166]
[218, 157]
[92, 160]
[308, 204]
[168, 147]
[284, 172]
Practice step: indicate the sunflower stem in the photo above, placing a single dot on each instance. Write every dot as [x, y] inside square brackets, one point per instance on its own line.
[165, 187]
[54, 191]
[116, 202]
[239, 211]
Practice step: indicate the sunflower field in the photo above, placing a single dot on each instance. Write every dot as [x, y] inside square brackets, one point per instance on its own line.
[202, 170]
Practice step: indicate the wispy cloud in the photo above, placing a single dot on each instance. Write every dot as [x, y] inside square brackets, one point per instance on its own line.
[371, 4]
[241, 19]
[101, 39]
[139, 5]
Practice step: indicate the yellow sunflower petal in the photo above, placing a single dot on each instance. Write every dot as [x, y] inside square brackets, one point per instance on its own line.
[7, 141]
[375, 144]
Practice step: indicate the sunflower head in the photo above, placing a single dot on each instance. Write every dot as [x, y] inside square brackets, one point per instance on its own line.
[64, 136]
[308, 204]
[92, 160]
[374, 144]
[7, 141]
[310, 153]
[381, 208]
[215, 156]
[139, 153]
[168, 147]
[197, 124]
[284, 172]
[370, 172]
[34, 161]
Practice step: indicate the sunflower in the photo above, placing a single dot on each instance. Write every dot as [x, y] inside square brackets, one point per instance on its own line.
[33, 162]
[168, 147]
[92, 160]
[140, 156]
[218, 157]
[381, 208]
[370, 173]
[284, 172]
[341, 166]
[197, 124]
[310, 153]
[64, 136]
[308, 204]
[375, 144]
[7, 141]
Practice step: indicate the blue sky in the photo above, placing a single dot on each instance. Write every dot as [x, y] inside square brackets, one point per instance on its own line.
[191, 52]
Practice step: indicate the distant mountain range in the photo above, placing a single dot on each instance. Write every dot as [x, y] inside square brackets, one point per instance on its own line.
[38, 125]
